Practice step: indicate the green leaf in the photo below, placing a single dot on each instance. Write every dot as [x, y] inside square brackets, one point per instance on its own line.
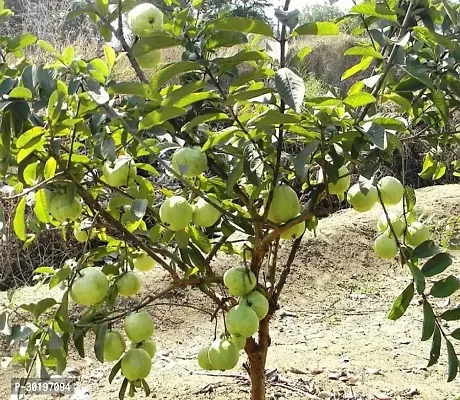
[305, 51]
[123, 387]
[55, 342]
[42, 205]
[78, 337]
[195, 97]
[377, 134]
[240, 24]
[291, 88]
[205, 119]
[167, 73]
[455, 334]
[371, 9]
[155, 233]
[100, 339]
[59, 276]
[50, 168]
[420, 73]
[301, 160]
[437, 264]
[108, 149]
[451, 12]
[27, 136]
[426, 249]
[317, 28]
[114, 371]
[152, 43]
[102, 6]
[133, 88]
[19, 221]
[199, 238]
[359, 99]
[419, 278]
[110, 56]
[159, 116]
[44, 270]
[435, 347]
[363, 51]
[62, 316]
[20, 93]
[361, 66]
[451, 315]
[445, 287]
[453, 361]
[410, 198]
[138, 208]
[225, 39]
[275, 118]
[146, 388]
[401, 303]
[401, 101]
[429, 321]
[441, 105]
[182, 237]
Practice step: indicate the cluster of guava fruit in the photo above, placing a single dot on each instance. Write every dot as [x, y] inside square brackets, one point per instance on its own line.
[242, 321]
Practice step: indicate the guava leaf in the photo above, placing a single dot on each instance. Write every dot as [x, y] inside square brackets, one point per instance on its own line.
[291, 88]
[429, 322]
[401, 303]
[437, 264]
[99, 343]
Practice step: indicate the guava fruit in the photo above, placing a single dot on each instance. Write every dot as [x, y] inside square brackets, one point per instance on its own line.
[204, 214]
[145, 19]
[391, 190]
[129, 284]
[203, 359]
[397, 223]
[149, 60]
[114, 346]
[119, 172]
[294, 232]
[136, 364]
[239, 281]
[258, 302]
[385, 246]
[223, 354]
[139, 326]
[148, 345]
[65, 208]
[343, 183]
[242, 321]
[144, 263]
[176, 213]
[361, 201]
[284, 205]
[416, 234]
[89, 287]
[80, 235]
[239, 341]
[189, 161]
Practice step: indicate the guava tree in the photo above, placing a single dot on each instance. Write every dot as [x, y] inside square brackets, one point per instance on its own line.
[165, 171]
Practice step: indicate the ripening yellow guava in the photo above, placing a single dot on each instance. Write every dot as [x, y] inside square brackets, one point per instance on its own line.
[139, 326]
[391, 190]
[284, 205]
[144, 263]
[242, 321]
[176, 213]
[189, 161]
[203, 359]
[385, 246]
[361, 201]
[416, 234]
[258, 302]
[397, 222]
[239, 341]
[136, 364]
[148, 345]
[145, 19]
[239, 281]
[120, 172]
[294, 232]
[89, 287]
[342, 185]
[65, 208]
[149, 60]
[204, 214]
[129, 284]
[114, 346]
[223, 354]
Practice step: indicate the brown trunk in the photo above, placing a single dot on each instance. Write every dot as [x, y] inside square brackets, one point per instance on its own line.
[257, 354]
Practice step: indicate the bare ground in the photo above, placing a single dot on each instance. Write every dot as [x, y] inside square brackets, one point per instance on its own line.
[331, 336]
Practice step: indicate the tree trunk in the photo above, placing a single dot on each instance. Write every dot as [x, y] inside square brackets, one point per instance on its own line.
[257, 354]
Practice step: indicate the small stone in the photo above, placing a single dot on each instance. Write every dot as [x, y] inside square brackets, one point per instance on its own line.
[325, 395]
[373, 371]
[382, 396]
[335, 376]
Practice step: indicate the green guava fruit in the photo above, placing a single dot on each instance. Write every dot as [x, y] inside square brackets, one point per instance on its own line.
[397, 223]
[136, 364]
[80, 235]
[204, 214]
[223, 354]
[144, 263]
[416, 234]
[129, 284]
[343, 183]
[239, 281]
[148, 60]
[294, 232]
[391, 190]
[119, 172]
[385, 246]
[361, 201]
[284, 205]
[242, 321]
[239, 341]
[139, 326]
[65, 208]
[203, 359]
[176, 213]
[258, 302]
[189, 161]
[148, 345]
[89, 287]
[114, 346]
[145, 19]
